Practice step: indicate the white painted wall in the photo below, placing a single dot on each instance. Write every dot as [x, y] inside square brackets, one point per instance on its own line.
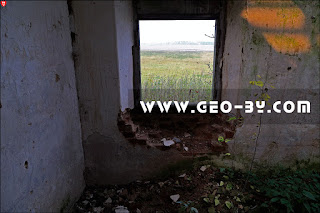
[39, 116]
[125, 39]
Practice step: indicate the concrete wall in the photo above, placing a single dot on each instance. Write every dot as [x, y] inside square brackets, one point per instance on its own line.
[41, 150]
[124, 34]
[279, 41]
[104, 68]
[102, 62]
[42, 158]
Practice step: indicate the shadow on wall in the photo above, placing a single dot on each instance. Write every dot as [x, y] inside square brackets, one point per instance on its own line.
[282, 24]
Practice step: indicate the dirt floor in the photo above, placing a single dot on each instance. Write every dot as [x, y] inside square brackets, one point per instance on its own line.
[198, 188]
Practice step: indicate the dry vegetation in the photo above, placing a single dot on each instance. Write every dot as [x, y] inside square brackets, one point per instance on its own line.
[178, 76]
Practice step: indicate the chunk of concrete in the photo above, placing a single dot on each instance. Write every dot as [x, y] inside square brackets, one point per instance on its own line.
[175, 198]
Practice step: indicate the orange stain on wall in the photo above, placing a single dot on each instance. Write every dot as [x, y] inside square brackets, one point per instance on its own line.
[282, 24]
[288, 43]
[275, 18]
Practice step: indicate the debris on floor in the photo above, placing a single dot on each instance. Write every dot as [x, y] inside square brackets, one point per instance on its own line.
[175, 198]
[168, 142]
[203, 189]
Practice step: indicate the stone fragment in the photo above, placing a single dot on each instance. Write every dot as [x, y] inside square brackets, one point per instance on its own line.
[98, 209]
[168, 142]
[121, 209]
[108, 201]
[183, 175]
[177, 140]
[186, 135]
[175, 198]
[203, 168]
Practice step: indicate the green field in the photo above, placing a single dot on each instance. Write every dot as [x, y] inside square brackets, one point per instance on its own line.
[182, 76]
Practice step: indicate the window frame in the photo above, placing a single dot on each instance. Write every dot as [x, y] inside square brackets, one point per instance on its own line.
[218, 50]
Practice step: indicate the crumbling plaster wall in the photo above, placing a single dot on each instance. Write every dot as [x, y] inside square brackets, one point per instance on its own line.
[101, 48]
[249, 53]
[41, 152]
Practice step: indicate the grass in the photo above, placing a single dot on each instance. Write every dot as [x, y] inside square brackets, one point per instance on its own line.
[275, 189]
[181, 76]
[287, 190]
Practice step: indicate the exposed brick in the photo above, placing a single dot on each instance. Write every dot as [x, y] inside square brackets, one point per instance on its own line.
[149, 129]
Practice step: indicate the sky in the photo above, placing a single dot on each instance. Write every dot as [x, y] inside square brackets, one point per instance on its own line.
[175, 30]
